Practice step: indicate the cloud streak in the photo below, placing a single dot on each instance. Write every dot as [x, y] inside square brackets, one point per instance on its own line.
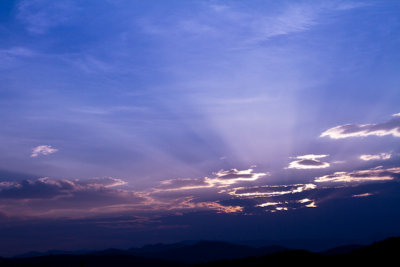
[221, 178]
[372, 175]
[392, 127]
[270, 190]
[273, 198]
[381, 156]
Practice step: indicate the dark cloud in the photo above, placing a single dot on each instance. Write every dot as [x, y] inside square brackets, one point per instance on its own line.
[42, 188]
[234, 174]
[52, 198]
[62, 197]
[309, 162]
[391, 127]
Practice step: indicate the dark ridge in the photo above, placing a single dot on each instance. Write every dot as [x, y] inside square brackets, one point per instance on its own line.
[341, 250]
[207, 253]
[32, 254]
[158, 248]
[383, 253]
[87, 261]
[203, 251]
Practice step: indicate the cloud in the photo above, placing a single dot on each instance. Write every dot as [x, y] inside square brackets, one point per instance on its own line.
[371, 175]
[233, 25]
[190, 203]
[225, 178]
[363, 195]
[221, 178]
[309, 162]
[43, 150]
[47, 188]
[381, 156]
[53, 198]
[269, 190]
[42, 188]
[183, 184]
[311, 156]
[107, 182]
[266, 204]
[274, 198]
[215, 19]
[392, 127]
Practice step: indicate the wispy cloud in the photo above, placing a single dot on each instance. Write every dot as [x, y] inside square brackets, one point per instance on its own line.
[242, 28]
[381, 156]
[43, 150]
[270, 190]
[391, 127]
[309, 162]
[45, 188]
[41, 15]
[372, 175]
[363, 195]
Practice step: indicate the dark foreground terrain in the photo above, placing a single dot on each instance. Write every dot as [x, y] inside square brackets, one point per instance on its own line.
[384, 253]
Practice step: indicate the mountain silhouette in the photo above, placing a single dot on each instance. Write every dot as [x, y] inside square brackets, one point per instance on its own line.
[203, 251]
[211, 253]
[384, 253]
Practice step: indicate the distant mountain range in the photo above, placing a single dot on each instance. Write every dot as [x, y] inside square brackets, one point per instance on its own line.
[187, 252]
[211, 253]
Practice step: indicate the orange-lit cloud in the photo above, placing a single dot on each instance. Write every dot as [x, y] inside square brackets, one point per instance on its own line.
[363, 195]
[54, 198]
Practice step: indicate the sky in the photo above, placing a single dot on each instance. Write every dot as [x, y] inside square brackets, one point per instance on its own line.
[125, 123]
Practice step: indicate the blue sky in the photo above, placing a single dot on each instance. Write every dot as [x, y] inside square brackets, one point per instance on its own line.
[159, 108]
